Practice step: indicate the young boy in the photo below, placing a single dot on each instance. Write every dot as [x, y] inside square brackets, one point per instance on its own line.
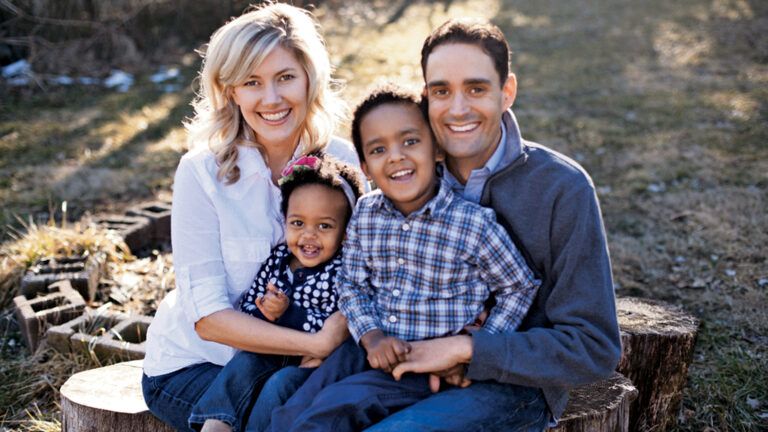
[420, 262]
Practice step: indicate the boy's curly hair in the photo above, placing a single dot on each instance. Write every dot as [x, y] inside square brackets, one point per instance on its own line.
[329, 173]
[383, 94]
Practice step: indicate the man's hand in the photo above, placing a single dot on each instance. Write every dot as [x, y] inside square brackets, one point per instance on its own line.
[273, 304]
[384, 352]
[442, 356]
[453, 376]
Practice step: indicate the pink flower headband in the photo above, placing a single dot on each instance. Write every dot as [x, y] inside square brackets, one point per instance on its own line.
[312, 163]
[304, 163]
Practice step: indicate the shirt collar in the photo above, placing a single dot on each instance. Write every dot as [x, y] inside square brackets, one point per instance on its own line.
[250, 161]
[495, 158]
[433, 207]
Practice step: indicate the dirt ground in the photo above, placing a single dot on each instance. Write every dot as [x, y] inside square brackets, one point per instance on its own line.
[664, 103]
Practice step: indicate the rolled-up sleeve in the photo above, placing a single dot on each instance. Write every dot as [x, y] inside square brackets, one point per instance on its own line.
[197, 258]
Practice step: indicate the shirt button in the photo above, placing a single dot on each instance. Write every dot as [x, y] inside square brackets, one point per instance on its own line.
[400, 261]
[406, 227]
[396, 292]
[392, 319]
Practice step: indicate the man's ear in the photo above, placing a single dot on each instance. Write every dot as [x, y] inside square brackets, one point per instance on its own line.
[509, 90]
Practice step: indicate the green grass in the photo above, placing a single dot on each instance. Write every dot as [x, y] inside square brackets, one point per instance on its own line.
[664, 103]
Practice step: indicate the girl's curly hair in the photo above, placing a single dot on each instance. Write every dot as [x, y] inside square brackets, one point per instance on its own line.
[329, 173]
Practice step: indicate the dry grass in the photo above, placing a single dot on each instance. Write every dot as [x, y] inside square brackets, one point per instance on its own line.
[663, 102]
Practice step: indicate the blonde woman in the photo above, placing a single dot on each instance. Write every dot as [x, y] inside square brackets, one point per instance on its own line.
[264, 100]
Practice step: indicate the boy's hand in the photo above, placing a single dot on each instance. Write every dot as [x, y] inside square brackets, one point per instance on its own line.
[478, 323]
[273, 304]
[384, 352]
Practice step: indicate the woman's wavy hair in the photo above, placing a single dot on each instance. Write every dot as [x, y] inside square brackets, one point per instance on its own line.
[234, 51]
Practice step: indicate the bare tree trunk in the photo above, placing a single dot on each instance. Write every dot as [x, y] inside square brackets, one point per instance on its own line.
[599, 407]
[658, 341]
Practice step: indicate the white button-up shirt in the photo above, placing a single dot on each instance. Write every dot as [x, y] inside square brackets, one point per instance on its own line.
[221, 234]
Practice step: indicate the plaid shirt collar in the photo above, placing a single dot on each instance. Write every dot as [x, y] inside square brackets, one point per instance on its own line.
[433, 207]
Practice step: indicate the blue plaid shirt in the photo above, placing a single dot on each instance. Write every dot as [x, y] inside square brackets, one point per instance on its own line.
[429, 274]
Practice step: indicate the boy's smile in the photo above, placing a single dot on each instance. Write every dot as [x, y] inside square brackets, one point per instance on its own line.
[399, 154]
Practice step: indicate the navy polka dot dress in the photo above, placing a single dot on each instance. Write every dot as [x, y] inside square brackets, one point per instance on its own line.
[312, 291]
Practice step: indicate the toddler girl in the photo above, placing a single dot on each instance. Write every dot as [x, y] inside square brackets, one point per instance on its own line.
[295, 286]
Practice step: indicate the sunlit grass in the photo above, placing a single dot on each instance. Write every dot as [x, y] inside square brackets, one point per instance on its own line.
[663, 102]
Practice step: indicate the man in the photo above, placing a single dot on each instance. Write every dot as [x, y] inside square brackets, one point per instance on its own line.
[547, 203]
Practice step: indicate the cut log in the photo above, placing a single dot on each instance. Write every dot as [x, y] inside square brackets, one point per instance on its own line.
[657, 348]
[599, 407]
[107, 399]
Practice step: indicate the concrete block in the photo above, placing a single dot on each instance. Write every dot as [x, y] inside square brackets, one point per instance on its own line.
[89, 326]
[126, 340]
[53, 305]
[107, 335]
[136, 231]
[159, 214]
[83, 273]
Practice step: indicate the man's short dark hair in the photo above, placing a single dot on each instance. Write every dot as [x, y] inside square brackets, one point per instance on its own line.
[384, 94]
[483, 34]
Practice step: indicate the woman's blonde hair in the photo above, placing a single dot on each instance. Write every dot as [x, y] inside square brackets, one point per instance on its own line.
[234, 51]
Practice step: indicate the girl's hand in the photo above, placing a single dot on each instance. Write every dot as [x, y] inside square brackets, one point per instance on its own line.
[333, 333]
[273, 304]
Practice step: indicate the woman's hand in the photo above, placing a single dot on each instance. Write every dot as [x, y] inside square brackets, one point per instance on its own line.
[333, 333]
[310, 362]
[384, 352]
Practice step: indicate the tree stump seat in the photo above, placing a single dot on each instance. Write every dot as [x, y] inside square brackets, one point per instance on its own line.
[644, 394]
[599, 407]
[107, 399]
[110, 399]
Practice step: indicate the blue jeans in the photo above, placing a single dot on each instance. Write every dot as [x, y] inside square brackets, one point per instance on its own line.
[345, 394]
[484, 406]
[171, 397]
[276, 391]
[233, 392]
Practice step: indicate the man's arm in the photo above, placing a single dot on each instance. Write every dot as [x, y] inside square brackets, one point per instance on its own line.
[509, 278]
[582, 342]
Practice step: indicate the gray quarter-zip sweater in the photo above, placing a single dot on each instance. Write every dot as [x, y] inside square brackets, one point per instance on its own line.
[570, 335]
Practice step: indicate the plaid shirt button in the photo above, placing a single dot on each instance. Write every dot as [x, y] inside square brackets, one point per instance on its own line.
[396, 292]
[392, 319]
[406, 227]
[400, 261]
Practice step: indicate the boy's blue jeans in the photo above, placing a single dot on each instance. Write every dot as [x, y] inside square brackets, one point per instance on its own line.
[172, 397]
[360, 401]
[486, 406]
[345, 394]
